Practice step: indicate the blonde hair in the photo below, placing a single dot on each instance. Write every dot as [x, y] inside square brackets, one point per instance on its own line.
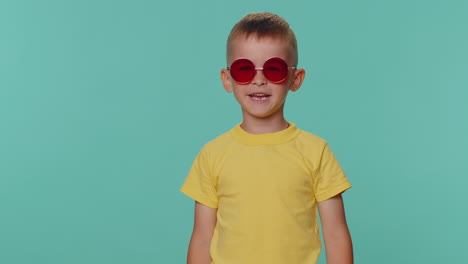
[263, 25]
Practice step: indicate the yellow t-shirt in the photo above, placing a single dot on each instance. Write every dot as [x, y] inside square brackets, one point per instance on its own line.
[266, 187]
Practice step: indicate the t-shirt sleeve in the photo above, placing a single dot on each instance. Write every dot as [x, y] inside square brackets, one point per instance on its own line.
[199, 184]
[330, 180]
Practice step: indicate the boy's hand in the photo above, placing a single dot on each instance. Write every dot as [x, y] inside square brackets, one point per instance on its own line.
[335, 231]
[204, 224]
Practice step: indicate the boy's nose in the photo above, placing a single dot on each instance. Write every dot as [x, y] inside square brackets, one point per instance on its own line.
[259, 78]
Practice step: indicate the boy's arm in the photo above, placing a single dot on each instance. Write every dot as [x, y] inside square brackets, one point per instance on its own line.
[335, 231]
[204, 224]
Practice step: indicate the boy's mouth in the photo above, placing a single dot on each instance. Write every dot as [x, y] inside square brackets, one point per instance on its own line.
[259, 96]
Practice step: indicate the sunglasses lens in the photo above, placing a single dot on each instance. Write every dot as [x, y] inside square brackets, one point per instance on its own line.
[242, 71]
[275, 70]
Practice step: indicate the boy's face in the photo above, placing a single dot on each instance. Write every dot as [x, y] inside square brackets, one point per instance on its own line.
[261, 98]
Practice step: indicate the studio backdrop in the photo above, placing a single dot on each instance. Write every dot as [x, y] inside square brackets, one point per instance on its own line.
[104, 105]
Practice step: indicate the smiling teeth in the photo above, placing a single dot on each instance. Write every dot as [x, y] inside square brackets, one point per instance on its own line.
[259, 96]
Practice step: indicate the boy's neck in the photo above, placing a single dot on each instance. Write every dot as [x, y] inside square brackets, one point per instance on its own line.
[270, 124]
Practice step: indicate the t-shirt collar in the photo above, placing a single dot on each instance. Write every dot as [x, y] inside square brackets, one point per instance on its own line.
[274, 138]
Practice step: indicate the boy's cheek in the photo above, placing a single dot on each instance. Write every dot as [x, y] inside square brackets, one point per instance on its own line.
[238, 95]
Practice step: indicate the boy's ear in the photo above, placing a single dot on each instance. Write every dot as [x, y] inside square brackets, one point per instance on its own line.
[299, 76]
[226, 80]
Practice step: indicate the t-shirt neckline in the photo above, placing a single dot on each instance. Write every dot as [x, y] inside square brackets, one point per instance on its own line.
[275, 138]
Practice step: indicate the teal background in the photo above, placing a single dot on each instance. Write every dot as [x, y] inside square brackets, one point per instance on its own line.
[104, 105]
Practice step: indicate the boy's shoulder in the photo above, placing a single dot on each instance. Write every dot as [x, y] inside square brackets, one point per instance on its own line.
[312, 139]
[219, 143]
[310, 144]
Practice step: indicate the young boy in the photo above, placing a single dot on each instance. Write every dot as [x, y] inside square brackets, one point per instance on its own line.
[256, 188]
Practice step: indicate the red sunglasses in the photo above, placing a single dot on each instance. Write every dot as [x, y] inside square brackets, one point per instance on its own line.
[275, 70]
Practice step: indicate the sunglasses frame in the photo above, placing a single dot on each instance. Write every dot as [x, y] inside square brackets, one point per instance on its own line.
[261, 68]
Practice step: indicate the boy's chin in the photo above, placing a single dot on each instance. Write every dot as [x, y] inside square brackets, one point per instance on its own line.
[260, 114]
